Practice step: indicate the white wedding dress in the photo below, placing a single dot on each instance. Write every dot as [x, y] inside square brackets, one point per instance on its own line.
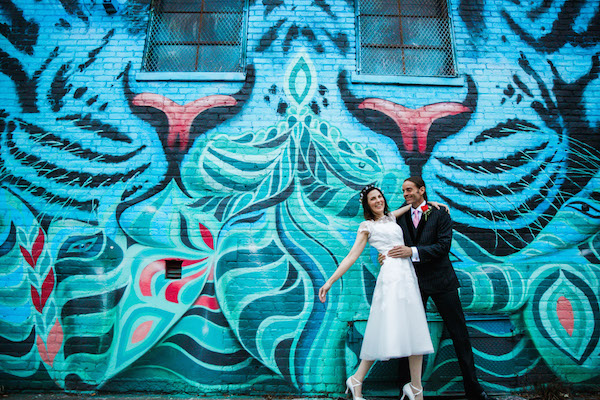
[397, 325]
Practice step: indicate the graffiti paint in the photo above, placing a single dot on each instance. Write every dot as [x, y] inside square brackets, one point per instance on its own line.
[252, 188]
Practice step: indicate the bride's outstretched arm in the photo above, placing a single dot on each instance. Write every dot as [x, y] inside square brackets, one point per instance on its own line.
[401, 211]
[355, 252]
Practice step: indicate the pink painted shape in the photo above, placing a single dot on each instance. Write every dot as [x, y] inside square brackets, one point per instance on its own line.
[148, 272]
[564, 310]
[414, 122]
[172, 292]
[206, 301]
[187, 263]
[55, 341]
[141, 332]
[181, 117]
[41, 346]
[207, 236]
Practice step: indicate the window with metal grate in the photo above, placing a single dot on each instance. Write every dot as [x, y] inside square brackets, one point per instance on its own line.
[405, 38]
[196, 36]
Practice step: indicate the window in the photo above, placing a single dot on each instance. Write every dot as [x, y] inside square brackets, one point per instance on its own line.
[195, 36]
[405, 38]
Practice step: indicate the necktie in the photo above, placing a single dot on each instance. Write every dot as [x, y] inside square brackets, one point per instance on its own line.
[415, 217]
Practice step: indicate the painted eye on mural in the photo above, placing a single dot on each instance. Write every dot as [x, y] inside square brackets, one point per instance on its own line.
[82, 246]
[534, 16]
[548, 25]
[585, 208]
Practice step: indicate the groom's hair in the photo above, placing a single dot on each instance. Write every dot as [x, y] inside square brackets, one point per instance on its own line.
[417, 180]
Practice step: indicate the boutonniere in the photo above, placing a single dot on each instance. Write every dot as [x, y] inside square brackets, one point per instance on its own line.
[426, 211]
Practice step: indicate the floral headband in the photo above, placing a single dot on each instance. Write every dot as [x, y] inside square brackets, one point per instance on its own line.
[366, 190]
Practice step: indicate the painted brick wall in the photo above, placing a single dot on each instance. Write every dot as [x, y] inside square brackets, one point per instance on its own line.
[253, 187]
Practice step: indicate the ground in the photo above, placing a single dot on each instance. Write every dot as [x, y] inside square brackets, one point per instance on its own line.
[537, 395]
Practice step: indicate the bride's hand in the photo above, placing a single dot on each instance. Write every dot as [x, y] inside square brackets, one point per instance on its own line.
[323, 291]
[438, 205]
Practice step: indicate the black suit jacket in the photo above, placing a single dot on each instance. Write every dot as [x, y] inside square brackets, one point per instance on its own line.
[432, 238]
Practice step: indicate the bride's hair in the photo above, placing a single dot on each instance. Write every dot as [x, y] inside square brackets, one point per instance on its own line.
[364, 199]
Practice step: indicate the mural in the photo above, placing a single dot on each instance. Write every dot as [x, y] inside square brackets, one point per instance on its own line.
[253, 188]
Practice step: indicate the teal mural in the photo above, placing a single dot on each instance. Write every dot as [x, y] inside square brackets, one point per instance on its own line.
[252, 187]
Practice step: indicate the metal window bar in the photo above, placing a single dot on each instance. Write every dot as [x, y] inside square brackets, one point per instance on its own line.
[405, 38]
[195, 36]
[401, 33]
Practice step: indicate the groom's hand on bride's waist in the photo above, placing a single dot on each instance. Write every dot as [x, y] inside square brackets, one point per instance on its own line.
[396, 252]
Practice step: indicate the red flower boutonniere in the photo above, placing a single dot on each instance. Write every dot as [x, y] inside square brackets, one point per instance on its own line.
[426, 211]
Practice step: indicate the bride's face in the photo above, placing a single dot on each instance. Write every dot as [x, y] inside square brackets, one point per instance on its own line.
[376, 202]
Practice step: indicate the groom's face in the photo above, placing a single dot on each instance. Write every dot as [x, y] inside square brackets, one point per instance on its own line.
[412, 194]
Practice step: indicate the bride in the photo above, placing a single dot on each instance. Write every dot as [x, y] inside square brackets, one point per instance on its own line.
[397, 325]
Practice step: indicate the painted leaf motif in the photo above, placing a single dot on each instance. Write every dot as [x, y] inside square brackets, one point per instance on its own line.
[564, 311]
[330, 170]
[267, 286]
[563, 303]
[27, 256]
[207, 236]
[49, 349]
[35, 298]
[38, 246]
[263, 292]
[157, 306]
[141, 332]
[47, 287]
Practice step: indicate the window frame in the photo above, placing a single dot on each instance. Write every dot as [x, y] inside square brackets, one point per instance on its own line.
[449, 80]
[143, 75]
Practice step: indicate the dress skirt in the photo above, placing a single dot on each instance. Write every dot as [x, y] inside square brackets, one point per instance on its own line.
[397, 325]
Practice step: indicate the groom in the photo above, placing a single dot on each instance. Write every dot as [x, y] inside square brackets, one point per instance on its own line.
[428, 235]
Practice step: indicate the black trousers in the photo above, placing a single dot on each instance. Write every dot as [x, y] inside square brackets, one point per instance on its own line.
[450, 309]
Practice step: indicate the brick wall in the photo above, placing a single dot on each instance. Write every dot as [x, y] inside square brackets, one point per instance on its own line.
[251, 186]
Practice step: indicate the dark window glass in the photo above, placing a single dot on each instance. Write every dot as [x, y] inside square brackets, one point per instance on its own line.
[195, 36]
[405, 38]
